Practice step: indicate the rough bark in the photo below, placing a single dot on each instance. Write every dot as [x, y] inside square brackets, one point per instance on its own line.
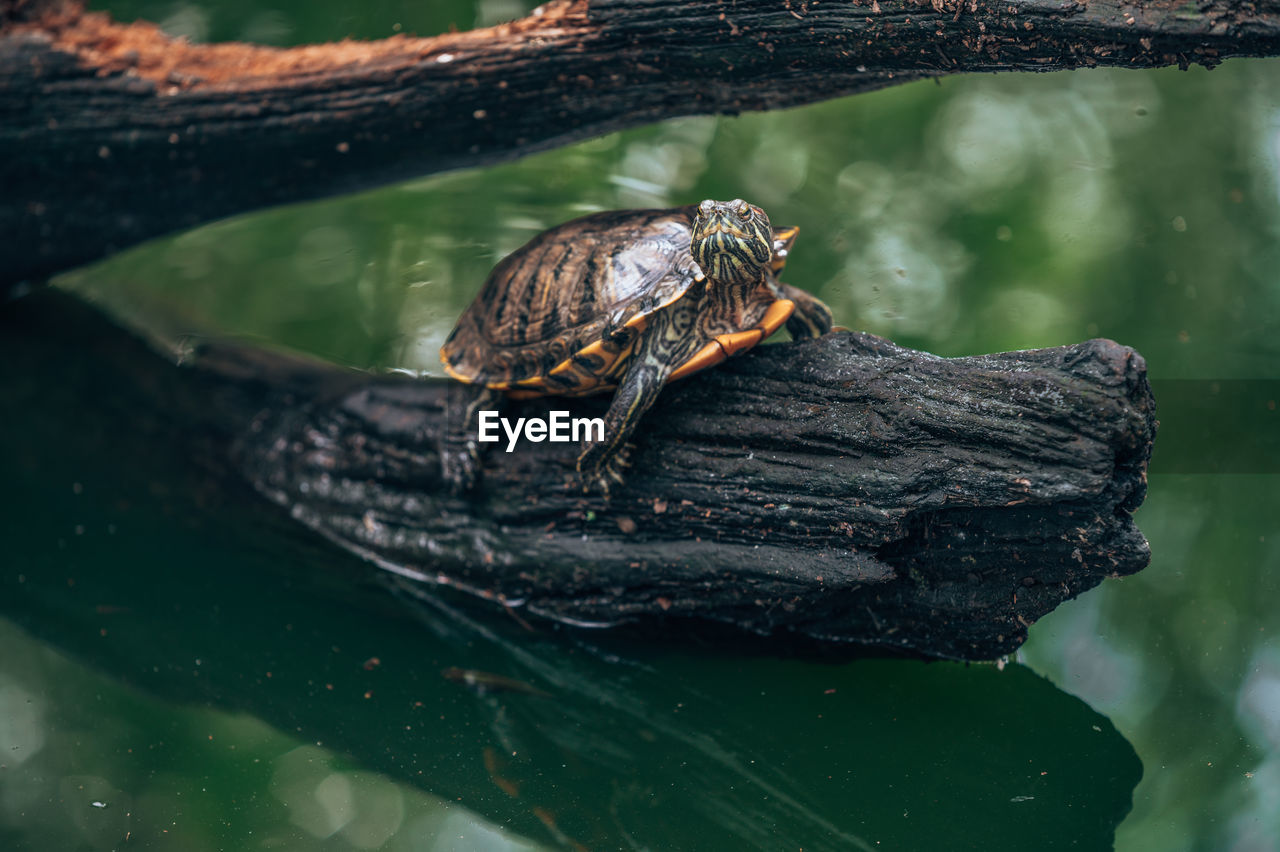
[840, 492]
[172, 578]
[111, 134]
[832, 492]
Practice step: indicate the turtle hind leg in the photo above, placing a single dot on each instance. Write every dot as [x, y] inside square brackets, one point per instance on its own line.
[460, 443]
[811, 318]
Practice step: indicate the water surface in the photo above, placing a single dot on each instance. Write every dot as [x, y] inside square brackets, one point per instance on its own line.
[982, 214]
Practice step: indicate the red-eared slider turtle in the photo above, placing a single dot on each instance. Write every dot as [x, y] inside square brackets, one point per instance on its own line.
[628, 300]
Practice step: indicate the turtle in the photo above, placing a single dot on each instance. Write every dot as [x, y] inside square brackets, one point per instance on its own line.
[623, 301]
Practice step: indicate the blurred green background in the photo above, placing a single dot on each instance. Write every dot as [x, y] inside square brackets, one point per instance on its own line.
[976, 215]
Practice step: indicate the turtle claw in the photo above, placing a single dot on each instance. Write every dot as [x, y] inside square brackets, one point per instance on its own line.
[606, 475]
[621, 459]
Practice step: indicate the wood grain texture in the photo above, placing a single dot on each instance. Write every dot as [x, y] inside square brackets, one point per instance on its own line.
[831, 493]
[842, 493]
[111, 134]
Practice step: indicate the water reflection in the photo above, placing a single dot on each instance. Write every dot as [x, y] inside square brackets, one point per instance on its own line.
[987, 140]
[1193, 686]
[186, 20]
[987, 213]
[367, 809]
[1256, 823]
[210, 617]
[900, 280]
[1258, 703]
[177, 778]
[998, 224]
[659, 174]
[284, 23]
[21, 722]
[777, 168]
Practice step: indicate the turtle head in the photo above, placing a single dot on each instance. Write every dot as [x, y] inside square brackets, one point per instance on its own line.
[732, 241]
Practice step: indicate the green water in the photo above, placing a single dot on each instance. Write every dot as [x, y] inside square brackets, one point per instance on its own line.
[163, 659]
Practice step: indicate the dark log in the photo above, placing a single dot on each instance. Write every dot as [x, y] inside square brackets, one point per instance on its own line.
[111, 134]
[175, 579]
[836, 493]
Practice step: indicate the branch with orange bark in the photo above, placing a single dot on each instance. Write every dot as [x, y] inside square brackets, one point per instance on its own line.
[111, 133]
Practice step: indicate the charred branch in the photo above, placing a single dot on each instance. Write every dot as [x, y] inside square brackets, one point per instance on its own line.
[111, 134]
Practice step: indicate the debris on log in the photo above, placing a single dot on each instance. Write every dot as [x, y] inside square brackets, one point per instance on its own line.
[111, 133]
[838, 494]
[841, 491]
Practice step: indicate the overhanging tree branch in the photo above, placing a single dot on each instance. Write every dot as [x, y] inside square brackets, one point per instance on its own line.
[111, 134]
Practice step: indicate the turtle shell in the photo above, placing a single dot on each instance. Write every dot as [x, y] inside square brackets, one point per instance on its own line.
[558, 315]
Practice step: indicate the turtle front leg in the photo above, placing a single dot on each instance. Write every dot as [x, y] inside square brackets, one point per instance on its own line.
[811, 318]
[459, 445]
[669, 341]
[602, 462]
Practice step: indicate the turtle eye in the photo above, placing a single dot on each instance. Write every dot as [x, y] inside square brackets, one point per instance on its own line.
[744, 211]
[706, 207]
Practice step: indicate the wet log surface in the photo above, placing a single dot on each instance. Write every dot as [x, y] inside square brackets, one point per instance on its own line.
[138, 547]
[831, 494]
[111, 134]
[836, 492]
